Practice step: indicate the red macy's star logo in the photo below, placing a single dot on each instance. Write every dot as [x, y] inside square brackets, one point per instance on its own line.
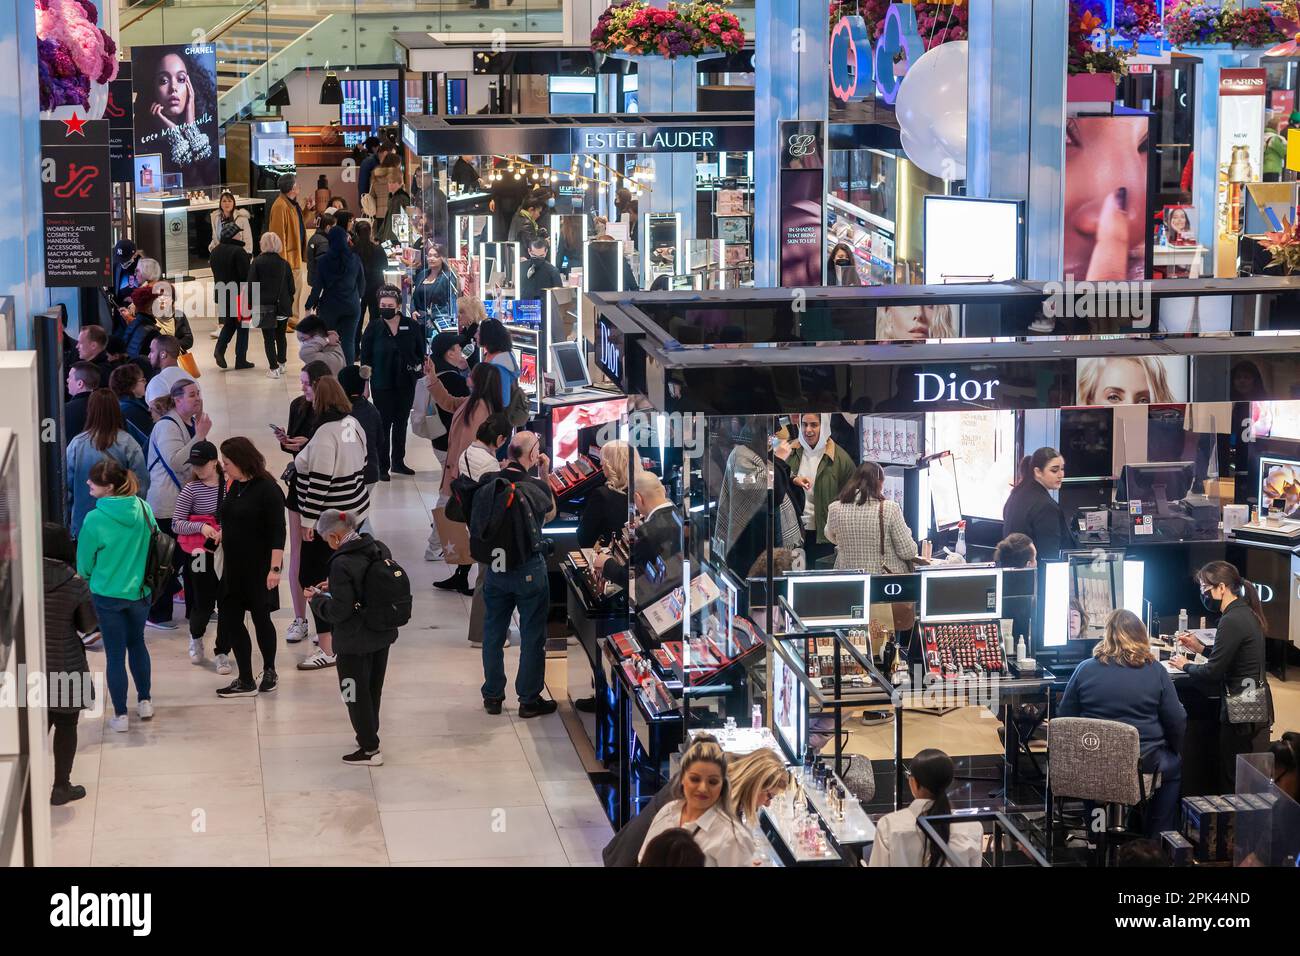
[75, 125]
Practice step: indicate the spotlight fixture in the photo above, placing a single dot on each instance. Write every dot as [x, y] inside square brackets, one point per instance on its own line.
[331, 93]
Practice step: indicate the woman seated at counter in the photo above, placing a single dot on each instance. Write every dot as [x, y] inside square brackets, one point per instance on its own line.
[1125, 682]
[899, 838]
[701, 803]
[869, 533]
[606, 509]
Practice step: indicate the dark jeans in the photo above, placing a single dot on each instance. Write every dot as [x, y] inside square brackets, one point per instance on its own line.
[232, 632]
[201, 577]
[1162, 809]
[161, 609]
[233, 328]
[122, 624]
[370, 307]
[361, 681]
[525, 587]
[394, 406]
[64, 724]
[275, 341]
[313, 568]
[346, 324]
[1234, 740]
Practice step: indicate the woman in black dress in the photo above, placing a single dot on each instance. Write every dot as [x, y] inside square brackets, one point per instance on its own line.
[252, 541]
[606, 509]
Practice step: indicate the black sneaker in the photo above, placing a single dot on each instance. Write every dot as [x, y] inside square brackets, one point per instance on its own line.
[537, 708]
[401, 469]
[360, 758]
[385, 477]
[269, 681]
[65, 794]
[238, 688]
[219, 359]
[493, 704]
[585, 704]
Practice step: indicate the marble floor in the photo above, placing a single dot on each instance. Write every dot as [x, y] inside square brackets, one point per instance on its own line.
[258, 781]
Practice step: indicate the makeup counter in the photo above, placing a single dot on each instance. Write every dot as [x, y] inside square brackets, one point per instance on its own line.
[178, 223]
[740, 631]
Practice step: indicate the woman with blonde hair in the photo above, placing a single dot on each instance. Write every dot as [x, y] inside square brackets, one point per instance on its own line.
[702, 804]
[1123, 681]
[272, 278]
[756, 780]
[607, 507]
[915, 322]
[1124, 380]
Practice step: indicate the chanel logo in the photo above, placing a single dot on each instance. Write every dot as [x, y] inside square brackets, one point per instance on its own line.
[1091, 741]
[802, 144]
[893, 590]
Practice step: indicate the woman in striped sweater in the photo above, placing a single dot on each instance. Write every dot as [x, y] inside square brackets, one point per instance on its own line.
[330, 474]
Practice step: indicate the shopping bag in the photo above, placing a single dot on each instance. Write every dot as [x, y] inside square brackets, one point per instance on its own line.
[454, 536]
[187, 362]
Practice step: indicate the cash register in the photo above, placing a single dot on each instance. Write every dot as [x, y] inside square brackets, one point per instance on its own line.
[959, 631]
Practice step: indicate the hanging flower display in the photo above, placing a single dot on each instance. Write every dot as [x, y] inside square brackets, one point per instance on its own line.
[1204, 23]
[72, 52]
[1135, 19]
[692, 29]
[1086, 53]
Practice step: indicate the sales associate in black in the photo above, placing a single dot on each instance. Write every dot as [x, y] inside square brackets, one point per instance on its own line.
[656, 547]
[393, 347]
[1235, 664]
[1030, 509]
[537, 274]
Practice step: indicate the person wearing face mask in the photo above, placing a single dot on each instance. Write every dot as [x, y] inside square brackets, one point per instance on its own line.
[1032, 511]
[361, 646]
[658, 538]
[702, 804]
[1235, 665]
[840, 269]
[393, 347]
[822, 469]
[536, 272]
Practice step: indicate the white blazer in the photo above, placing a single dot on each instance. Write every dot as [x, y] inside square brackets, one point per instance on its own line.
[899, 841]
[725, 842]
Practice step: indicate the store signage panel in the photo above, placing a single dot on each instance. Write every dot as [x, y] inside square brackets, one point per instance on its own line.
[663, 139]
[76, 193]
[119, 113]
[610, 349]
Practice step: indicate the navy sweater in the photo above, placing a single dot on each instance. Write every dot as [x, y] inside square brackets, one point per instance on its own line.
[1142, 697]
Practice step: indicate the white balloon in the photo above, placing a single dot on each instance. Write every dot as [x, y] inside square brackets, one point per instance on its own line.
[931, 110]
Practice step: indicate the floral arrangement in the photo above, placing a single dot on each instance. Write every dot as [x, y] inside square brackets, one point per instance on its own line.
[635, 27]
[1084, 55]
[937, 21]
[72, 52]
[1137, 18]
[1204, 23]
[1284, 247]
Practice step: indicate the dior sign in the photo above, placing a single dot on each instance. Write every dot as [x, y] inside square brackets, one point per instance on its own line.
[931, 387]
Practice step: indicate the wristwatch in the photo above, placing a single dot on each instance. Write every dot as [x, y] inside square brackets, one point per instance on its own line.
[275, 570]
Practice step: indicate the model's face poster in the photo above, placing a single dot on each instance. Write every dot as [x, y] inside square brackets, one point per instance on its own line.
[1106, 176]
[175, 91]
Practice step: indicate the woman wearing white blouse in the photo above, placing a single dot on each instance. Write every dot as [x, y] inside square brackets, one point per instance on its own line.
[702, 806]
[899, 839]
[869, 533]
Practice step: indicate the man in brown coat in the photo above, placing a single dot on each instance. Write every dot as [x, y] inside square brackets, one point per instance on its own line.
[285, 220]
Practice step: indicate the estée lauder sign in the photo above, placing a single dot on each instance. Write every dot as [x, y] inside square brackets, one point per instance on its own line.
[652, 140]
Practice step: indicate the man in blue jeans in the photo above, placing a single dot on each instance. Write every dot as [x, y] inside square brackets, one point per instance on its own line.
[523, 586]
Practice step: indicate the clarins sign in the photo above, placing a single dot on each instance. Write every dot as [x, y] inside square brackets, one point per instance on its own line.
[652, 139]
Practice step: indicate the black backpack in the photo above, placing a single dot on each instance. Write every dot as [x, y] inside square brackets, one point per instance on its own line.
[159, 560]
[386, 597]
[510, 533]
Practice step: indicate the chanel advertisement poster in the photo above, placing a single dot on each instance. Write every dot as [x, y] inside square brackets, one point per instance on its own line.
[176, 109]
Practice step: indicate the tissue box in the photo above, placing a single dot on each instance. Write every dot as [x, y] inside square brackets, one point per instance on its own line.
[1234, 516]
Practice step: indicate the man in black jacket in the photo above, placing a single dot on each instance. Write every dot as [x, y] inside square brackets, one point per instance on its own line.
[362, 651]
[656, 566]
[230, 262]
[537, 274]
[522, 584]
[83, 378]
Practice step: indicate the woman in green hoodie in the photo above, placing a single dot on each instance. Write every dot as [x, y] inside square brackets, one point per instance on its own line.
[111, 553]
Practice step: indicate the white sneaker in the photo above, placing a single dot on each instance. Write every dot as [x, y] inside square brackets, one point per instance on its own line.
[433, 552]
[297, 631]
[215, 333]
[275, 372]
[145, 709]
[318, 661]
[118, 724]
[223, 664]
[161, 625]
[196, 650]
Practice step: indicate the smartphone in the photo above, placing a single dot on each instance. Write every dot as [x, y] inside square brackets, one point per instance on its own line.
[277, 429]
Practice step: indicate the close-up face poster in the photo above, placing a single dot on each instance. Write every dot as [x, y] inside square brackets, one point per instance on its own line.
[175, 89]
[1106, 197]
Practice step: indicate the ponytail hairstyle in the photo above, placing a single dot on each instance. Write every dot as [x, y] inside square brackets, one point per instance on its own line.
[1039, 460]
[107, 473]
[705, 749]
[1286, 756]
[933, 771]
[1221, 572]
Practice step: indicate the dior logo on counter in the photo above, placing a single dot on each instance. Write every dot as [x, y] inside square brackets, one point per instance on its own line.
[1265, 593]
[932, 387]
[609, 350]
[893, 590]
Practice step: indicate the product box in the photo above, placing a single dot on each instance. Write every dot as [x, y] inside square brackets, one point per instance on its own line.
[1176, 848]
[1199, 827]
[1225, 836]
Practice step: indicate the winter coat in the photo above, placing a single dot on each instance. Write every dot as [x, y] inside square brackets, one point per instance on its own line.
[348, 567]
[245, 229]
[69, 613]
[113, 547]
[272, 279]
[82, 456]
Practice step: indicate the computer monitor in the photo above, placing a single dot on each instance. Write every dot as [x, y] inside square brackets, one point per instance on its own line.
[1153, 482]
[831, 599]
[1280, 478]
[1056, 600]
[961, 594]
[942, 474]
[569, 365]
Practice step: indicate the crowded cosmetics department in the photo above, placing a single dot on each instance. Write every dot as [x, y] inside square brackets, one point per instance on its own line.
[774, 434]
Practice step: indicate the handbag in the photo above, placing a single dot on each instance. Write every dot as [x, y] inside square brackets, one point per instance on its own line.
[454, 536]
[425, 420]
[1251, 706]
[187, 362]
[194, 543]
